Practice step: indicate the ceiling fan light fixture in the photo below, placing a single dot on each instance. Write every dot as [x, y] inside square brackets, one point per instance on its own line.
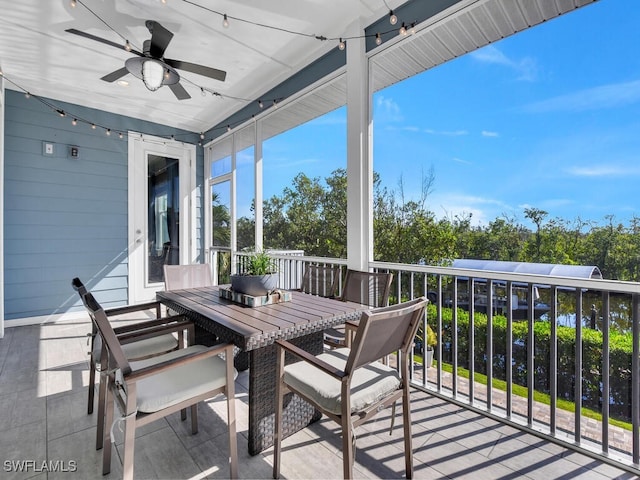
[152, 74]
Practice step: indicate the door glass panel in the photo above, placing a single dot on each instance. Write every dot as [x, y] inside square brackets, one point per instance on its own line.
[221, 214]
[164, 215]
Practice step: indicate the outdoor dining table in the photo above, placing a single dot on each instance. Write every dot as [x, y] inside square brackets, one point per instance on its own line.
[254, 331]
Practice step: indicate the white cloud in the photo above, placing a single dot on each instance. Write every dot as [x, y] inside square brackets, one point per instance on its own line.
[602, 171]
[388, 110]
[459, 160]
[597, 98]
[486, 133]
[525, 68]
[454, 133]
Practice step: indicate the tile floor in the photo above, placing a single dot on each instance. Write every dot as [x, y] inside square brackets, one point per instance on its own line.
[43, 381]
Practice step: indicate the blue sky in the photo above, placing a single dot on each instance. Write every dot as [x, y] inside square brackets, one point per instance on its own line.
[548, 118]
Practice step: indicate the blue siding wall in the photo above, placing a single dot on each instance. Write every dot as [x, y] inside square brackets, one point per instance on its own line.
[67, 217]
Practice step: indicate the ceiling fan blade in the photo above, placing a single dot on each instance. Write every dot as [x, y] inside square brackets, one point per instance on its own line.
[179, 91]
[117, 75]
[160, 38]
[102, 40]
[199, 69]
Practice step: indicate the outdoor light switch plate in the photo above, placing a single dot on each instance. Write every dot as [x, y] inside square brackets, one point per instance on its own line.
[74, 152]
[47, 148]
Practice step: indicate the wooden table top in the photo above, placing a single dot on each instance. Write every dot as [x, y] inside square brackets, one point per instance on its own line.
[255, 327]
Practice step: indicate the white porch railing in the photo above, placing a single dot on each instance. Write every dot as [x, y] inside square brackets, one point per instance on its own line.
[549, 370]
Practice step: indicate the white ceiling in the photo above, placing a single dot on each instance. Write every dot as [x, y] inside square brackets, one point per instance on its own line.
[37, 55]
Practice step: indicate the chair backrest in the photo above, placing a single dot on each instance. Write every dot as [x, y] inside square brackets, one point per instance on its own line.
[320, 280]
[117, 358]
[177, 277]
[367, 288]
[386, 330]
[79, 287]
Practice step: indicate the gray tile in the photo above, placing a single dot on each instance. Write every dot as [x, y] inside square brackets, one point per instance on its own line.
[160, 454]
[67, 414]
[25, 443]
[21, 407]
[79, 448]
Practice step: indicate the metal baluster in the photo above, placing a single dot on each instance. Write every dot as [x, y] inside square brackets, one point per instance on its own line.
[635, 381]
[605, 372]
[489, 337]
[553, 361]
[454, 339]
[471, 338]
[509, 349]
[577, 396]
[439, 332]
[530, 356]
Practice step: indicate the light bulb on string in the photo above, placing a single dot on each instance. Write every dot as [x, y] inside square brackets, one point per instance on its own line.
[61, 113]
[108, 132]
[202, 92]
[27, 94]
[225, 21]
[378, 39]
[275, 104]
[74, 122]
[412, 30]
[201, 135]
[120, 135]
[392, 18]
[228, 128]
[403, 30]
[341, 45]
[260, 104]
[93, 126]
[73, 3]
[127, 46]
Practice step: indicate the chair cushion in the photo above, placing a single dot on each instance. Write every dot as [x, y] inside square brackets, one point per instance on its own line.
[174, 385]
[141, 349]
[368, 385]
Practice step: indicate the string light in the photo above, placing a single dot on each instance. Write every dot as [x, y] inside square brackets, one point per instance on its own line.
[93, 126]
[27, 94]
[260, 104]
[378, 39]
[201, 135]
[108, 132]
[225, 21]
[167, 74]
[127, 46]
[392, 18]
[412, 30]
[120, 135]
[202, 92]
[228, 128]
[74, 122]
[73, 3]
[341, 44]
[275, 104]
[403, 30]
[61, 113]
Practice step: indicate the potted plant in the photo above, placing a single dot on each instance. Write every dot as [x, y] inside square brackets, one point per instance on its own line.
[259, 278]
[432, 341]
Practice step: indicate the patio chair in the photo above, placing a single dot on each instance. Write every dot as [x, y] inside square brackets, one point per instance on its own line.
[347, 384]
[177, 277]
[162, 341]
[151, 389]
[321, 280]
[367, 288]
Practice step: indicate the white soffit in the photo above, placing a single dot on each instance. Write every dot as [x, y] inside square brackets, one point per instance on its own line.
[464, 27]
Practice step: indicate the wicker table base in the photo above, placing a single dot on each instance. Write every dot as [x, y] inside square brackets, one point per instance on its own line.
[297, 413]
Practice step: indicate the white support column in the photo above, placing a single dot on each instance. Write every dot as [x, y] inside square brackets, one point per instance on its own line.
[1, 206]
[233, 214]
[359, 156]
[258, 190]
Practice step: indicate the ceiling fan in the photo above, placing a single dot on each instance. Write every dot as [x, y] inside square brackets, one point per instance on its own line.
[150, 64]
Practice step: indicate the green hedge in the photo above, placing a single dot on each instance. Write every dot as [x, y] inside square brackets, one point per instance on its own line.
[620, 353]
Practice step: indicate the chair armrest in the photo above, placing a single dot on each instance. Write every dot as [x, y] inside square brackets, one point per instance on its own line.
[307, 357]
[133, 308]
[150, 323]
[226, 348]
[143, 334]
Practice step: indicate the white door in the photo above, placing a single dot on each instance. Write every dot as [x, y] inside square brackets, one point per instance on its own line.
[161, 211]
